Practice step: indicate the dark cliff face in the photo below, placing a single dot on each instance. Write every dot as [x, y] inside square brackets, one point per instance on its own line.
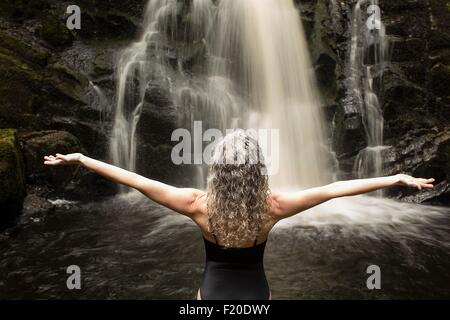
[45, 88]
[414, 94]
[47, 73]
[47, 92]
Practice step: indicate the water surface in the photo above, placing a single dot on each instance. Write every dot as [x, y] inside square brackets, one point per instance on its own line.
[130, 248]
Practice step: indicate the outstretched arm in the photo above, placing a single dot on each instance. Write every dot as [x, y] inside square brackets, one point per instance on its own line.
[182, 200]
[288, 204]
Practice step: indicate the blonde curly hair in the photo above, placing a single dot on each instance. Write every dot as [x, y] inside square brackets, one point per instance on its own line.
[237, 189]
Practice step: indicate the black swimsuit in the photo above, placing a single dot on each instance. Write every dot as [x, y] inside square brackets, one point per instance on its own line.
[234, 273]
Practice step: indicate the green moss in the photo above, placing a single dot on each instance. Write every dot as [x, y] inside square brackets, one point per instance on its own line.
[32, 53]
[55, 32]
[70, 74]
[19, 86]
[9, 63]
[12, 173]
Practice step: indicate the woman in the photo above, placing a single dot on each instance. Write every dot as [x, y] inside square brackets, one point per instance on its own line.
[237, 212]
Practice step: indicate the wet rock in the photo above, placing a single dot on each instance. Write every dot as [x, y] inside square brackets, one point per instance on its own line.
[438, 195]
[441, 56]
[38, 144]
[65, 84]
[69, 182]
[91, 136]
[18, 90]
[327, 74]
[412, 23]
[87, 186]
[155, 162]
[156, 123]
[401, 6]
[422, 153]
[32, 52]
[12, 175]
[36, 207]
[99, 25]
[414, 71]
[31, 94]
[44, 84]
[131, 8]
[349, 134]
[319, 25]
[403, 105]
[440, 80]
[440, 35]
[191, 57]
[55, 32]
[102, 66]
[410, 49]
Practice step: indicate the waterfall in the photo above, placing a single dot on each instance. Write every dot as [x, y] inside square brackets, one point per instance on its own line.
[368, 59]
[257, 76]
[99, 101]
[134, 70]
[260, 47]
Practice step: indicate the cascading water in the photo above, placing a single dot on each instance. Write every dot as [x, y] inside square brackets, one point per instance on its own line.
[99, 101]
[270, 69]
[257, 76]
[134, 70]
[146, 60]
[368, 59]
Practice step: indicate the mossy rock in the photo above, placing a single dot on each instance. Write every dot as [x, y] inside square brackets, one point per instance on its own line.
[66, 83]
[19, 86]
[55, 32]
[41, 143]
[30, 52]
[12, 177]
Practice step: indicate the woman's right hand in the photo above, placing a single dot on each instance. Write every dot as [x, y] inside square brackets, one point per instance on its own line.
[61, 159]
[418, 183]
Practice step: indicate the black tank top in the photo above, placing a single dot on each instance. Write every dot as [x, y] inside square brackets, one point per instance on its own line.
[234, 273]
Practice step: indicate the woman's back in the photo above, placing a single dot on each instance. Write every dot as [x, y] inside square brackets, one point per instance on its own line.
[235, 272]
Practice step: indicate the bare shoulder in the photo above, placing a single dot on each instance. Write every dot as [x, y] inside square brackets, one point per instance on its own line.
[199, 203]
[275, 210]
[200, 216]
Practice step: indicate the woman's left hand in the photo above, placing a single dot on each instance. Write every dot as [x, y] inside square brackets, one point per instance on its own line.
[60, 159]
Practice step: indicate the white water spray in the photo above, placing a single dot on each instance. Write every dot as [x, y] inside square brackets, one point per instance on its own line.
[368, 60]
[260, 47]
